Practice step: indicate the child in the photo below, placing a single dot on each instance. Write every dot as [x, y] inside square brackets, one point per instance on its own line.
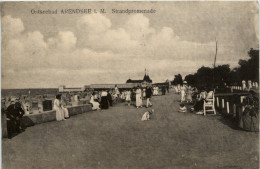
[182, 108]
[146, 115]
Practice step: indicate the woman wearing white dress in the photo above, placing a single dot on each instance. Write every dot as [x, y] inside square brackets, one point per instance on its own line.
[154, 91]
[57, 107]
[93, 102]
[65, 110]
[183, 93]
[128, 97]
[138, 97]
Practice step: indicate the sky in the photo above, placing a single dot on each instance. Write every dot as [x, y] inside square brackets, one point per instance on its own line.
[44, 50]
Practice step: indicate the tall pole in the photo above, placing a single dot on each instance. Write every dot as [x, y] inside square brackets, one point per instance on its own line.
[215, 63]
[216, 53]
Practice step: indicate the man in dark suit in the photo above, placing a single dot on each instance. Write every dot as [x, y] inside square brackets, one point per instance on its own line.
[148, 93]
[14, 113]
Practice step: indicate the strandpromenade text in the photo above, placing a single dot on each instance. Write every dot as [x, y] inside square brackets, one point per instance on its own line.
[90, 11]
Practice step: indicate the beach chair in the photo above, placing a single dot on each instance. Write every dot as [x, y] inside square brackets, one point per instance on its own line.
[209, 105]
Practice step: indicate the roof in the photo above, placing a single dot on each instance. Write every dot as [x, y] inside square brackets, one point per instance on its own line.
[134, 81]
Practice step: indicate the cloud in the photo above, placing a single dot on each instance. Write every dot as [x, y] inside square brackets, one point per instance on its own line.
[64, 41]
[95, 32]
[96, 51]
[138, 27]
[12, 26]
[93, 23]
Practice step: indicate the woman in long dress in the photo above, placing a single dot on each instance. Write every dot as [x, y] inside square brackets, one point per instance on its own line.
[138, 97]
[104, 100]
[64, 108]
[95, 104]
[183, 94]
[128, 97]
[57, 107]
[189, 94]
[133, 96]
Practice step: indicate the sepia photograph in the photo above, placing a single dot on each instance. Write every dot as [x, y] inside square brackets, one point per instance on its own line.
[130, 85]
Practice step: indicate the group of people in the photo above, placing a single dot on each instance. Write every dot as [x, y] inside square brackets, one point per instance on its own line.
[186, 92]
[14, 113]
[195, 97]
[135, 96]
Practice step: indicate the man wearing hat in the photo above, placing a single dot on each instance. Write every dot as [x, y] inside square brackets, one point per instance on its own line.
[14, 113]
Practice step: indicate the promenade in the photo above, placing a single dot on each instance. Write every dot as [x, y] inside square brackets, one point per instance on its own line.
[117, 138]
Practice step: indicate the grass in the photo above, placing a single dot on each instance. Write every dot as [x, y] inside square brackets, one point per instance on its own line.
[117, 138]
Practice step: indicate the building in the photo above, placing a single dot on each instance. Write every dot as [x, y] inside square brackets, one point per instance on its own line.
[145, 82]
[112, 86]
[62, 88]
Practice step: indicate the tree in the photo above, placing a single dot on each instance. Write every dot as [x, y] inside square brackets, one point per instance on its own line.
[177, 79]
[191, 79]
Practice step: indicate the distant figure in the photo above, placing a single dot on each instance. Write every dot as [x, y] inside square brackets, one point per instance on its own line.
[179, 88]
[128, 97]
[94, 102]
[144, 94]
[122, 97]
[138, 96]
[147, 115]
[148, 96]
[167, 88]
[133, 96]
[26, 107]
[176, 89]
[76, 98]
[155, 91]
[14, 114]
[117, 92]
[243, 85]
[163, 90]
[109, 98]
[182, 108]
[57, 106]
[249, 84]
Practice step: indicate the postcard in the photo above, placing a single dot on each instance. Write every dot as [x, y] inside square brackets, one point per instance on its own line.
[148, 84]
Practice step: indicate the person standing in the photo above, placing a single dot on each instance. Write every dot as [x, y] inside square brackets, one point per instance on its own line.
[183, 93]
[163, 90]
[138, 97]
[148, 96]
[109, 98]
[243, 85]
[189, 95]
[133, 96]
[128, 97]
[117, 91]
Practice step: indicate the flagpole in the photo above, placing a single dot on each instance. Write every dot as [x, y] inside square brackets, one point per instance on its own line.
[215, 62]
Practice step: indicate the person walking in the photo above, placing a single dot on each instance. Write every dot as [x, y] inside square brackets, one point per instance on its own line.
[148, 93]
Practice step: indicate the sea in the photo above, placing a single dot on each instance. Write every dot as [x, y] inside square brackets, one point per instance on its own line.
[32, 92]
